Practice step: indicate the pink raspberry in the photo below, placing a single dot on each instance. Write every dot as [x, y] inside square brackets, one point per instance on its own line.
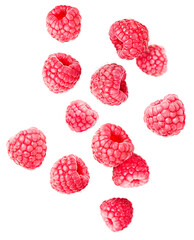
[61, 72]
[133, 172]
[117, 213]
[69, 175]
[64, 23]
[108, 84]
[166, 117]
[111, 145]
[28, 148]
[80, 116]
[129, 37]
[153, 61]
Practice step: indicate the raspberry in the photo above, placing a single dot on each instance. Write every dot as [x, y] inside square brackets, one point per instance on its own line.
[133, 172]
[129, 37]
[69, 175]
[153, 61]
[61, 72]
[117, 213]
[111, 145]
[28, 148]
[166, 117]
[80, 116]
[64, 23]
[108, 84]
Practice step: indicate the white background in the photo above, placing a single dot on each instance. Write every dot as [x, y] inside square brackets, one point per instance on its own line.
[29, 208]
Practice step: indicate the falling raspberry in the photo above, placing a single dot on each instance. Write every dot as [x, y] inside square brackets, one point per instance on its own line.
[64, 23]
[61, 72]
[108, 84]
[69, 175]
[166, 117]
[153, 61]
[129, 37]
[111, 145]
[28, 148]
[117, 213]
[133, 172]
[80, 116]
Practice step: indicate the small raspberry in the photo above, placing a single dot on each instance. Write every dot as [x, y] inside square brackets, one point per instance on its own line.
[64, 23]
[117, 213]
[153, 61]
[69, 175]
[28, 148]
[129, 37]
[80, 116]
[108, 84]
[111, 145]
[133, 172]
[61, 72]
[166, 117]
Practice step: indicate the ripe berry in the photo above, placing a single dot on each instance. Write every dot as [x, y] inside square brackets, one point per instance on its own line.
[80, 116]
[133, 172]
[69, 175]
[28, 148]
[61, 72]
[129, 37]
[117, 213]
[166, 117]
[64, 23]
[153, 61]
[111, 145]
[108, 84]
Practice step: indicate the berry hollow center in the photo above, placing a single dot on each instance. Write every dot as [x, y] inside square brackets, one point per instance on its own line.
[61, 14]
[64, 61]
[79, 169]
[116, 138]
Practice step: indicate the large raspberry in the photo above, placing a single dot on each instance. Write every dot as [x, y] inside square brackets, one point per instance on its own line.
[69, 175]
[166, 117]
[129, 37]
[108, 84]
[153, 61]
[64, 23]
[80, 116]
[61, 72]
[28, 148]
[111, 145]
[117, 213]
[133, 172]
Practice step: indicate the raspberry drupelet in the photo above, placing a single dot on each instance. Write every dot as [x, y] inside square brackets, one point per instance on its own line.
[64, 23]
[111, 145]
[61, 72]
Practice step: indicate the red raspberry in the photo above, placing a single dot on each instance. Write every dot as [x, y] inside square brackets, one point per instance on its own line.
[108, 84]
[129, 37]
[133, 172]
[166, 117]
[61, 72]
[28, 148]
[117, 213]
[69, 175]
[153, 61]
[64, 23]
[111, 145]
[80, 116]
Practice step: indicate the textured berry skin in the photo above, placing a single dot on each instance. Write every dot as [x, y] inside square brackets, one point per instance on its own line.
[80, 116]
[117, 213]
[166, 117]
[133, 172]
[64, 23]
[153, 61]
[108, 84]
[61, 72]
[129, 37]
[28, 148]
[111, 145]
[69, 175]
